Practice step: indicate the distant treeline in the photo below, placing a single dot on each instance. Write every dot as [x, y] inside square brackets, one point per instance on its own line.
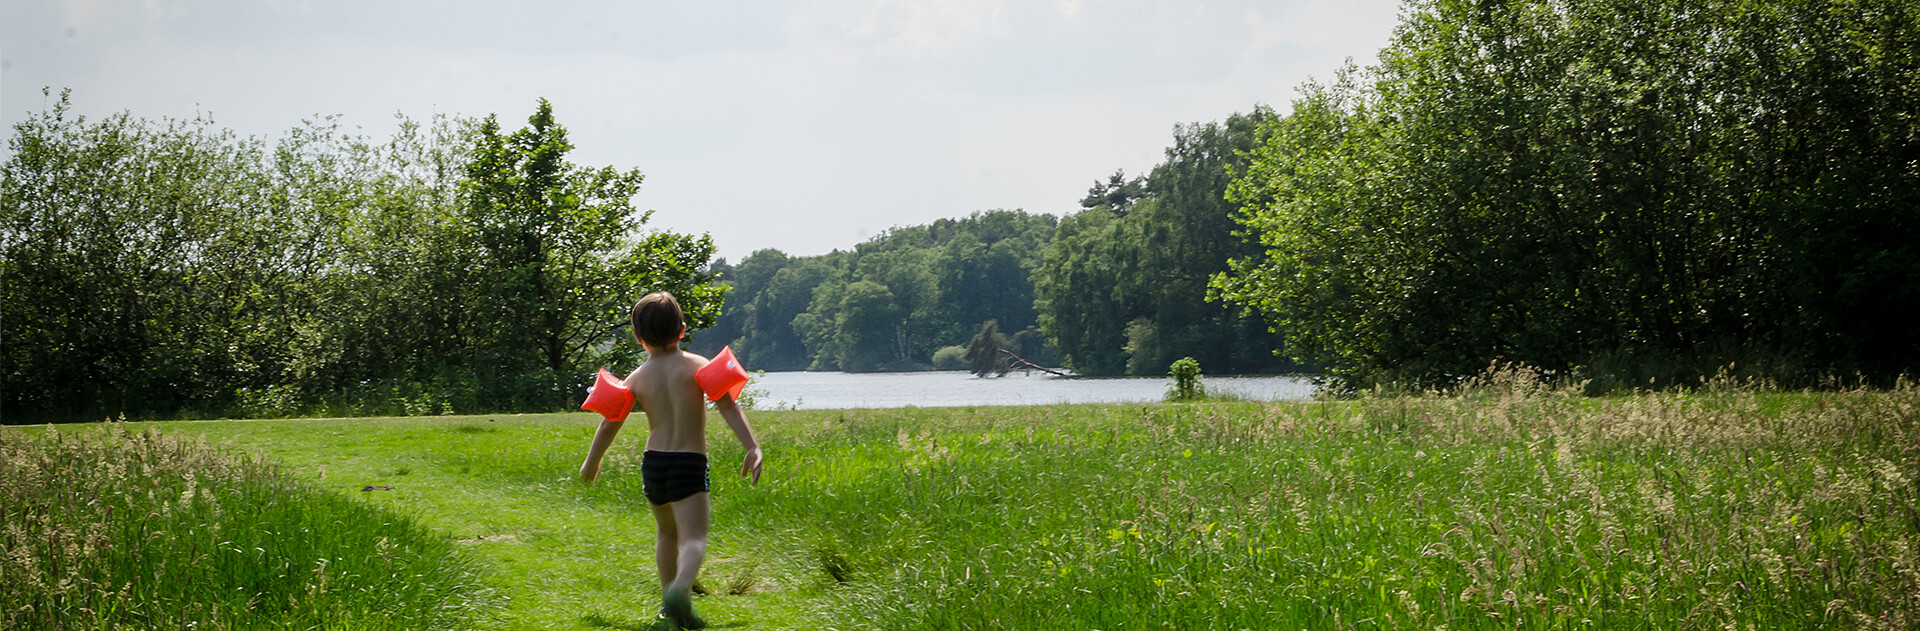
[1117, 288]
[163, 268]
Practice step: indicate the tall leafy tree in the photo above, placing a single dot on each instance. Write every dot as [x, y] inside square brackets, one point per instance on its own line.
[142, 269]
[746, 281]
[388, 292]
[984, 280]
[1614, 184]
[775, 337]
[909, 278]
[1186, 235]
[1079, 308]
[558, 258]
[864, 327]
[157, 268]
[1123, 286]
[1117, 194]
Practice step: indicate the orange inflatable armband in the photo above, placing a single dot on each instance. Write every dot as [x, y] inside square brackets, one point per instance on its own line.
[609, 397]
[722, 376]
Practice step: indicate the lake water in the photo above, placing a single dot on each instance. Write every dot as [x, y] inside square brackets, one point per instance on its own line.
[835, 390]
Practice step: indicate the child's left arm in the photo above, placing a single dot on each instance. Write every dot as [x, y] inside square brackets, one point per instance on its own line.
[729, 409]
[602, 439]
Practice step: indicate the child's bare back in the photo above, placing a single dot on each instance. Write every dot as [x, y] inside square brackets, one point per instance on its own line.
[676, 410]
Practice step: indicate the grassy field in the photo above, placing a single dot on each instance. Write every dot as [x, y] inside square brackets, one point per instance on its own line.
[120, 529]
[1504, 507]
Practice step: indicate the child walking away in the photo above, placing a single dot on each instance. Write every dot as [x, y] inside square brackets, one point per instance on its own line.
[674, 468]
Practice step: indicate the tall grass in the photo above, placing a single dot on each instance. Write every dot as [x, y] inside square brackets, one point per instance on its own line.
[1506, 505]
[124, 529]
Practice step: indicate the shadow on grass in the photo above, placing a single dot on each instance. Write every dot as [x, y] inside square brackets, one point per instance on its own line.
[648, 624]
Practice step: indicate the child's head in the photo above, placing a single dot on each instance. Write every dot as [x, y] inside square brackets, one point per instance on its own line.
[657, 320]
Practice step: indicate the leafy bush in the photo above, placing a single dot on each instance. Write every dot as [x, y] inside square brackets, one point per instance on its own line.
[950, 358]
[1186, 381]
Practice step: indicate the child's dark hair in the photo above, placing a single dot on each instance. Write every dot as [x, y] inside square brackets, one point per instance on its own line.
[657, 319]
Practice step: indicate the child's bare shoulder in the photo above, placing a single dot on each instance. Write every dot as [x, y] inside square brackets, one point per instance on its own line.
[691, 361]
[680, 366]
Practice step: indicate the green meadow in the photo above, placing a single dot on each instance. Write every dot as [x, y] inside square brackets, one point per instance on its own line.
[1505, 506]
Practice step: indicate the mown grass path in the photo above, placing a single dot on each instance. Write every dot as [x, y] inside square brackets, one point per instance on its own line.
[563, 555]
[1500, 508]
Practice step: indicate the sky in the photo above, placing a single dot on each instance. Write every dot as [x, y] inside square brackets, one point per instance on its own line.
[804, 126]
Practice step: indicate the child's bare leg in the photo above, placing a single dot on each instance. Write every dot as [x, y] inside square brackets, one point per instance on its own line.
[691, 517]
[666, 545]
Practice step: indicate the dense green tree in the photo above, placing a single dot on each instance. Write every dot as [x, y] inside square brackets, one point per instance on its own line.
[988, 281]
[172, 268]
[851, 326]
[818, 327]
[773, 338]
[559, 258]
[1186, 235]
[909, 278]
[1126, 292]
[1647, 189]
[1117, 194]
[145, 266]
[864, 332]
[386, 300]
[1311, 169]
[1079, 307]
[745, 281]
[985, 269]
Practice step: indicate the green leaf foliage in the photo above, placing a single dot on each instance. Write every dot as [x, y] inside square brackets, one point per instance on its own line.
[1122, 288]
[148, 265]
[169, 268]
[1634, 189]
[1186, 381]
[558, 258]
[950, 358]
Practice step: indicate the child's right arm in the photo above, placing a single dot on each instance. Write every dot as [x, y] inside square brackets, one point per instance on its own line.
[729, 409]
[602, 439]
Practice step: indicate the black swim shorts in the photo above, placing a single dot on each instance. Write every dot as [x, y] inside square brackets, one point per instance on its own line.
[671, 476]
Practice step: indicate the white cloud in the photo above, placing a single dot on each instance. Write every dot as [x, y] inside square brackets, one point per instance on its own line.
[930, 27]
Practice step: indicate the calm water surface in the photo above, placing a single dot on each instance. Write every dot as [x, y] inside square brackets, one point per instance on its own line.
[834, 390]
